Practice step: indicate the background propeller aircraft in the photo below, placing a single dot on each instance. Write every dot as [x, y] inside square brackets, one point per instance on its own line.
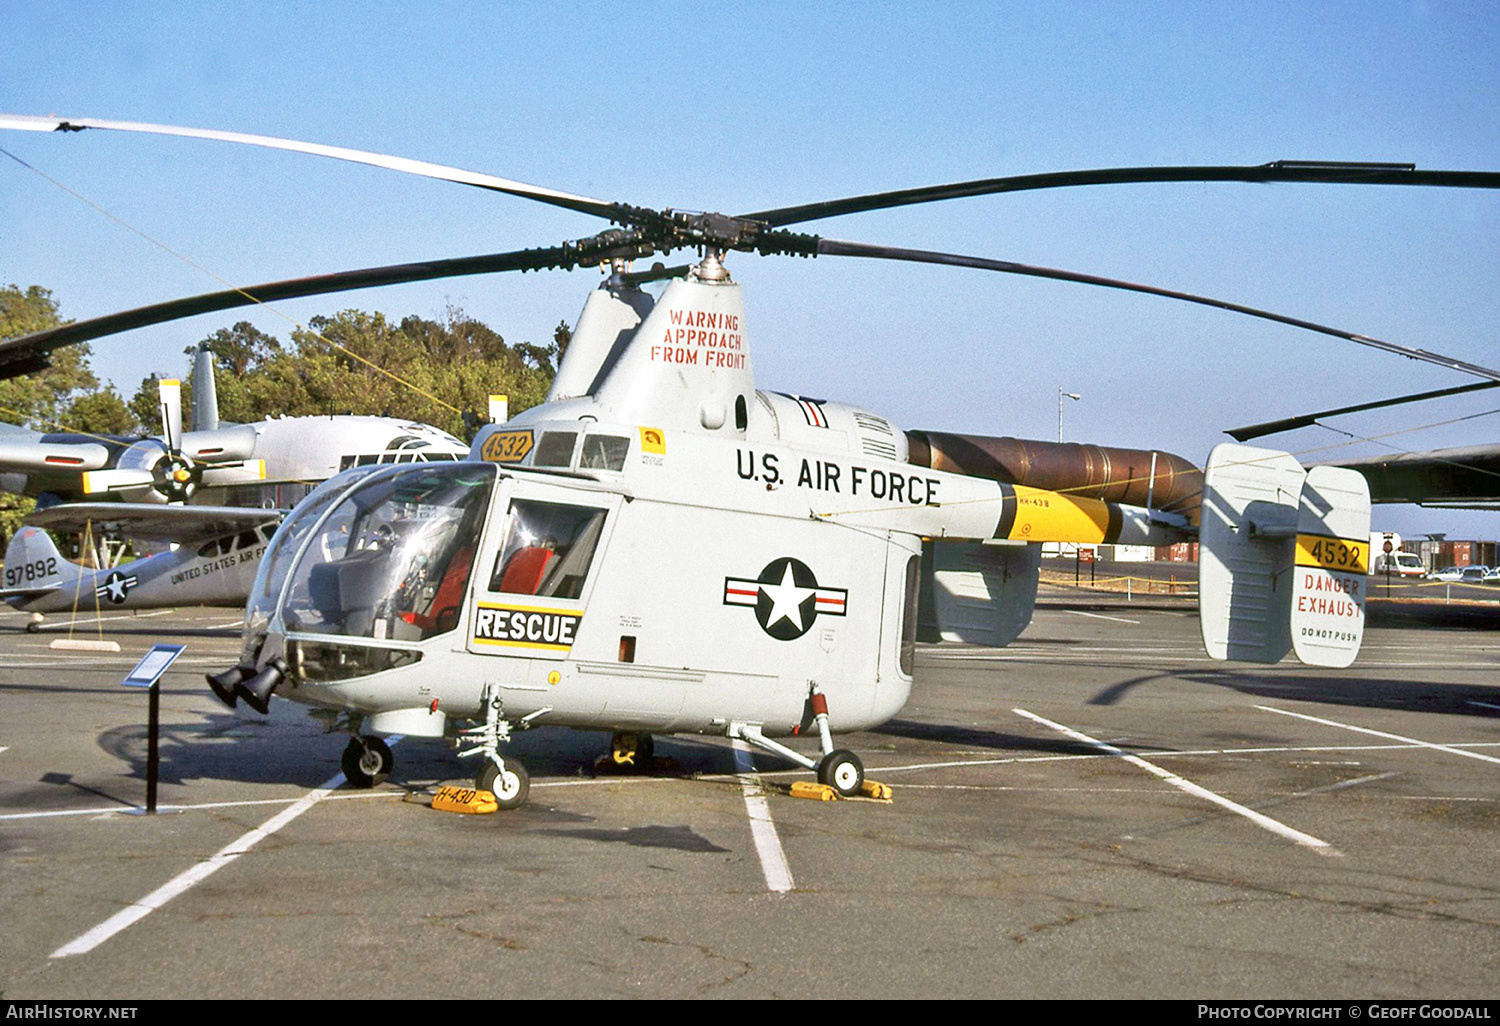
[218, 550]
[270, 462]
[661, 546]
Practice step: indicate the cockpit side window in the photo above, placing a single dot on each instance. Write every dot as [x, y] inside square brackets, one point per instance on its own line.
[548, 549]
[604, 452]
[393, 559]
[555, 449]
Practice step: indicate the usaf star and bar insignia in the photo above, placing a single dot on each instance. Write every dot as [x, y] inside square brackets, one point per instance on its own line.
[786, 597]
[116, 586]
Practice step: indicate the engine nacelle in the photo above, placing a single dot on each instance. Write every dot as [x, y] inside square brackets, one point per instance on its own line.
[146, 472]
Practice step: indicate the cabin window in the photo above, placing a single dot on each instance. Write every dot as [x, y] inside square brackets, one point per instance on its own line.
[217, 547]
[603, 452]
[548, 549]
[555, 449]
[909, 615]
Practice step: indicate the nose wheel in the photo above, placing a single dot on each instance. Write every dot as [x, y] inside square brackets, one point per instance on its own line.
[503, 777]
[509, 783]
[367, 761]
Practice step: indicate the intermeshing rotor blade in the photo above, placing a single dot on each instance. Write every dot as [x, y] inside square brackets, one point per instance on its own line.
[22, 352]
[1307, 171]
[599, 208]
[834, 247]
[1275, 427]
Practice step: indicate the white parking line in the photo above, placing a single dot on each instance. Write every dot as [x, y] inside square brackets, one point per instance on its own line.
[1486, 705]
[179, 884]
[1380, 733]
[1100, 616]
[100, 619]
[773, 864]
[1265, 822]
[135, 912]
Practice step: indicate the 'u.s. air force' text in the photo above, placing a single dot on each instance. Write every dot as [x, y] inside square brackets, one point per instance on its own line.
[827, 476]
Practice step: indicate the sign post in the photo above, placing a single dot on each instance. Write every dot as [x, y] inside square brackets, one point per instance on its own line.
[147, 674]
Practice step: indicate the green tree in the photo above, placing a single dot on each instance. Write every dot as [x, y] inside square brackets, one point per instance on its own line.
[356, 362]
[36, 400]
[33, 400]
[101, 412]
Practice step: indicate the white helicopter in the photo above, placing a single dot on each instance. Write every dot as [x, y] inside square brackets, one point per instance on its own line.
[661, 547]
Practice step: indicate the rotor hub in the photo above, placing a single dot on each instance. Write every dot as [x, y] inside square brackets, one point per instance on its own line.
[711, 269]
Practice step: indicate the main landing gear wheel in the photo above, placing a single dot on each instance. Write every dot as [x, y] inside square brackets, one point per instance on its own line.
[367, 761]
[842, 771]
[509, 786]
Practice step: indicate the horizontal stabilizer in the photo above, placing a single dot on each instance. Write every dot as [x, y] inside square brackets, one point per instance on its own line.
[6, 593]
[976, 593]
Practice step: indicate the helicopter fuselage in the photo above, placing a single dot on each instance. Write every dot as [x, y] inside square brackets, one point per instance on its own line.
[645, 580]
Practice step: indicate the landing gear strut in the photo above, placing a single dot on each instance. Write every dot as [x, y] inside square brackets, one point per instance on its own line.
[838, 769]
[367, 761]
[506, 778]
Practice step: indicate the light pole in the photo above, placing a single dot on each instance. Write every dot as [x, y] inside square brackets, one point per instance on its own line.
[1061, 395]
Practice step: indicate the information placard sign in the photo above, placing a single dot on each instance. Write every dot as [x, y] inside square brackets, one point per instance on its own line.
[152, 665]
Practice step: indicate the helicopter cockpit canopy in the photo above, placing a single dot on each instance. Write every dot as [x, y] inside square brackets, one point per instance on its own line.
[388, 559]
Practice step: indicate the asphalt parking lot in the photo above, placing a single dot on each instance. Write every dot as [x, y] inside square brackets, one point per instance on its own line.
[1095, 811]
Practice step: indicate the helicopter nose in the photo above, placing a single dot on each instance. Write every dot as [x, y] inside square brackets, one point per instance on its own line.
[223, 684]
[256, 691]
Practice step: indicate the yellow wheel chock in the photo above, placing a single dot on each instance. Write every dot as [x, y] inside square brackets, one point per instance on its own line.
[817, 792]
[466, 800]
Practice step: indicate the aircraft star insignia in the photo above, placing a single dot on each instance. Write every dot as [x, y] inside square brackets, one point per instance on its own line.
[116, 586]
[787, 598]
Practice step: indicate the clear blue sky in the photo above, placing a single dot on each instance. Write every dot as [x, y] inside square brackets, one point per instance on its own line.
[735, 107]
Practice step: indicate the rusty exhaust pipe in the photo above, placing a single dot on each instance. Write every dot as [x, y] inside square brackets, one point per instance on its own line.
[1134, 477]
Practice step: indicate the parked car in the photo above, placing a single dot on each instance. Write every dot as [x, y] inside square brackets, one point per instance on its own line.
[1475, 574]
[1397, 564]
[1447, 573]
